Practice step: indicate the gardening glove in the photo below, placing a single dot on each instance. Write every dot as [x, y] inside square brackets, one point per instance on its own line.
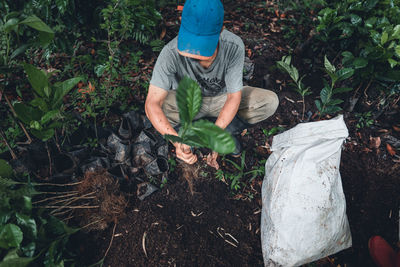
[212, 160]
[184, 153]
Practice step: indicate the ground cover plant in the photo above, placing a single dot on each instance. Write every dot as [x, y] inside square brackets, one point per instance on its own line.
[76, 75]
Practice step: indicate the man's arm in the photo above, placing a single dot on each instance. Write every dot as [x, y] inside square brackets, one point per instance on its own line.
[153, 108]
[229, 109]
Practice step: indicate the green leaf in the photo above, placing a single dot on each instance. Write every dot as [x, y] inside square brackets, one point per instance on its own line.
[47, 91]
[345, 73]
[28, 225]
[62, 89]
[37, 79]
[342, 90]
[49, 116]
[319, 105]
[6, 170]
[396, 32]
[12, 259]
[37, 24]
[216, 138]
[39, 103]
[45, 38]
[10, 236]
[26, 113]
[5, 215]
[188, 98]
[99, 69]
[19, 50]
[393, 63]
[390, 76]
[360, 63]
[397, 49]
[328, 66]
[384, 38]
[29, 249]
[325, 94]
[334, 102]
[173, 138]
[44, 134]
[10, 25]
[355, 19]
[332, 109]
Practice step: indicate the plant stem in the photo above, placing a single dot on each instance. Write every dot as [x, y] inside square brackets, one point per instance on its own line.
[8, 145]
[304, 108]
[15, 115]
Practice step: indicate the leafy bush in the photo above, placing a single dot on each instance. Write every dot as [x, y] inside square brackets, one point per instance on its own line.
[44, 113]
[27, 235]
[367, 33]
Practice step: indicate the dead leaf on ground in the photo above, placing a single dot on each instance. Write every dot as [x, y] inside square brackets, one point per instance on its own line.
[391, 150]
[163, 32]
[397, 129]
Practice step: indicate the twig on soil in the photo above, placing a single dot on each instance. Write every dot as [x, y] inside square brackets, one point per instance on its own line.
[69, 184]
[366, 88]
[144, 243]
[111, 241]
[56, 193]
[8, 145]
[48, 154]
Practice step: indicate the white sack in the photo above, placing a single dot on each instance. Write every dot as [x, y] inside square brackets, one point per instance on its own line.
[303, 216]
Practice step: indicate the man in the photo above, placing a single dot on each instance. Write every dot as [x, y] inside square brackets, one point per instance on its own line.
[214, 58]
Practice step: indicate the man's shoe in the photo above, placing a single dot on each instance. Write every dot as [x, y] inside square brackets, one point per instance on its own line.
[381, 252]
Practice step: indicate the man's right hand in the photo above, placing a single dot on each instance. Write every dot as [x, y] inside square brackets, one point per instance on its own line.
[184, 153]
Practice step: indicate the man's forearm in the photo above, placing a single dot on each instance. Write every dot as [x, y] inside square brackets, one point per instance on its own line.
[159, 120]
[229, 110]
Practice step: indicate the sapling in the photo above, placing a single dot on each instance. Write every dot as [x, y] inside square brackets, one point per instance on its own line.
[300, 88]
[200, 133]
[328, 104]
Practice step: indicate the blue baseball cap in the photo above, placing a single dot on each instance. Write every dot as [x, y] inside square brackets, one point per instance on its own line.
[200, 27]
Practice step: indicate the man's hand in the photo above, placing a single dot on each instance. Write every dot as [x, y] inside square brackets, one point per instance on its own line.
[184, 153]
[212, 160]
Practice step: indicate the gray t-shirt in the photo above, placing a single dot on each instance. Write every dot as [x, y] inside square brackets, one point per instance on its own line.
[223, 76]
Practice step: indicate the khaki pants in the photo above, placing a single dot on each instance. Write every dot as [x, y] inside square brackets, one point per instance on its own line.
[256, 105]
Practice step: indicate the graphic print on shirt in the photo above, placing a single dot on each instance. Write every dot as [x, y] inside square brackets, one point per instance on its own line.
[210, 86]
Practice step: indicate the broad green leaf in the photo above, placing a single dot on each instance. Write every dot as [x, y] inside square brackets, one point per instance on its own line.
[393, 63]
[26, 113]
[328, 66]
[19, 50]
[173, 138]
[216, 138]
[47, 91]
[5, 216]
[35, 125]
[37, 24]
[10, 236]
[27, 204]
[62, 89]
[29, 249]
[332, 109]
[37, 79]
[45, 38]
[49, 116]
[342, 90]
[345, 73]
[39, 103]
[325, 94]
[396, 32]
[334, 102]
[384, 38]
[360, 63]
[188, 98]
[28, 225]
[44, 134]
[17, 262]
[99, 69]
[369, 23]
[10, 25]
[319, 105]
[6, 170]
[397, 49]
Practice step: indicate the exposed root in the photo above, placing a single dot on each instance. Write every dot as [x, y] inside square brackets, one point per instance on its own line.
[189, 172]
